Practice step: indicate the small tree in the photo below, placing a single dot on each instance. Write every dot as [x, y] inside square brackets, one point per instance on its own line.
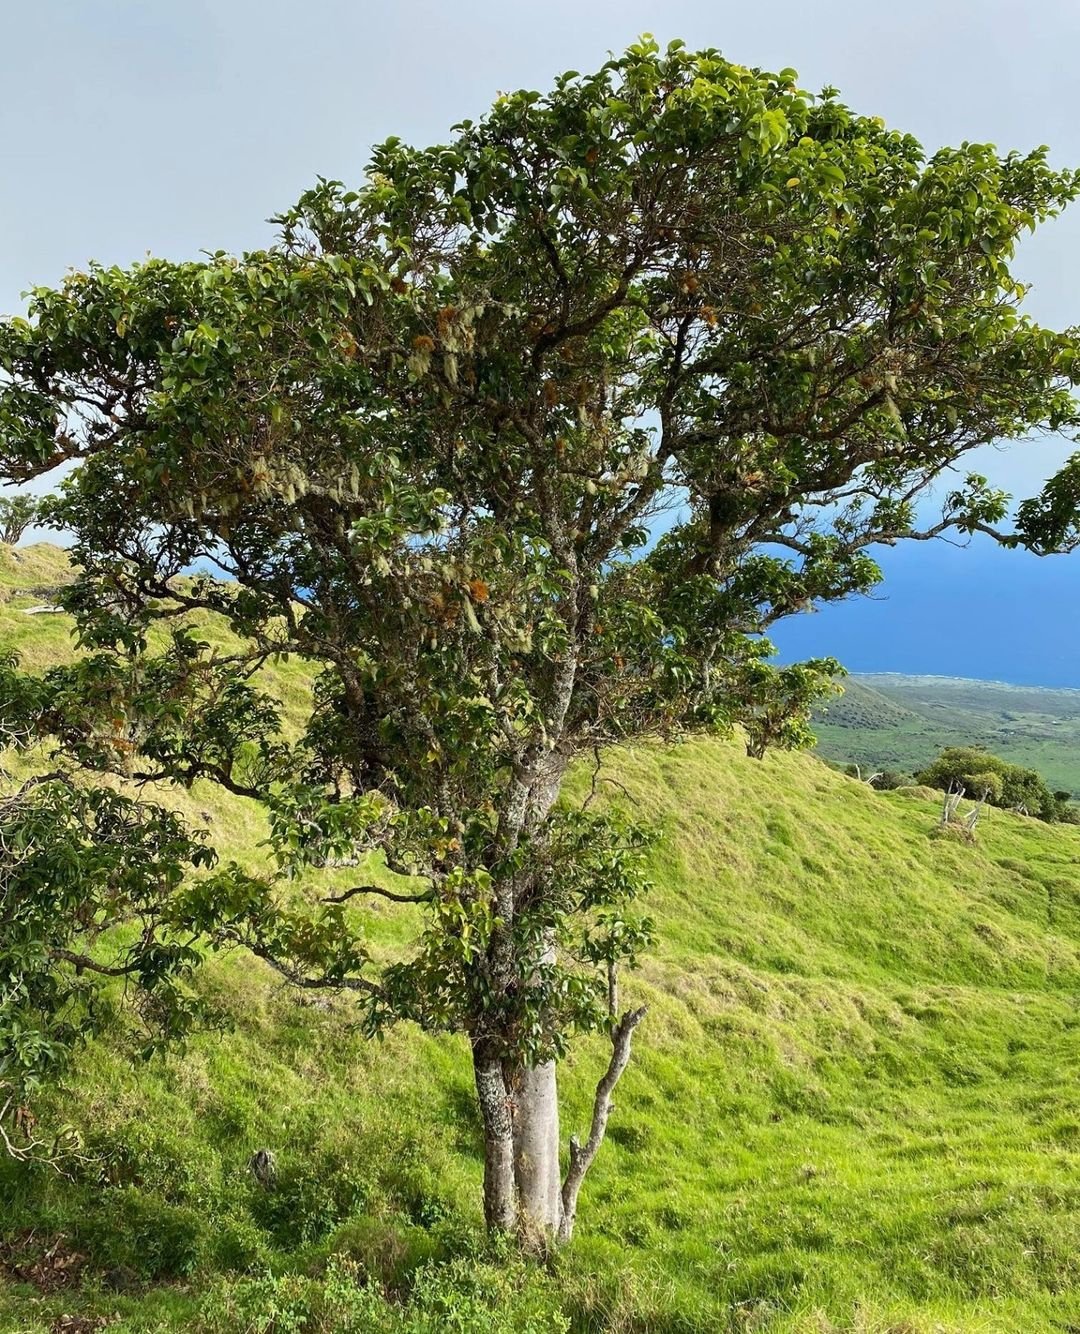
[17, 513]
[992, 779]
[427, 437]
[1067, 810]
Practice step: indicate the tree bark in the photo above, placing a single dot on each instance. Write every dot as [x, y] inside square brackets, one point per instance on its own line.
[500, 1191]
[536, 1138]
[536, 1153]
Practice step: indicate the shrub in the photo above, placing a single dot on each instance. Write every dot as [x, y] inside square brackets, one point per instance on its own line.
[135, 1230]
[311, 1197]
[238, 1246]
[1006, 785]
[466, 1295]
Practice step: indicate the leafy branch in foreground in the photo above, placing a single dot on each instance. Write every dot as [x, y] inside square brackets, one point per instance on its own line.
[88, 885]
[425, 443]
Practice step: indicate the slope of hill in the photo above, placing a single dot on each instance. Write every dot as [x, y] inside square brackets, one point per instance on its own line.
[892, 721]
[853, 1105]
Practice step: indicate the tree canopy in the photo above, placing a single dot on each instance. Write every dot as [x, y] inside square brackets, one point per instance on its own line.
[523, 445]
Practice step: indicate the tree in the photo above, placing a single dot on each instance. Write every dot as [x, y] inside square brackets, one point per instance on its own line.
[524, 445]
[1067, 810]
[989, 777]
[17, 513]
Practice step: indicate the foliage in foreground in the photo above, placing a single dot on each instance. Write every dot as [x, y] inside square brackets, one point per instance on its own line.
[82, 866]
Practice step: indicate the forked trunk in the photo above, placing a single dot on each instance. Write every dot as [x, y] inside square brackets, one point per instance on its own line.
[522, 1187]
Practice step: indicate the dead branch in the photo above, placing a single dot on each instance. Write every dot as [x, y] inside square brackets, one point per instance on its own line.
[62, 1151]
[582, 1155]
[951, 803]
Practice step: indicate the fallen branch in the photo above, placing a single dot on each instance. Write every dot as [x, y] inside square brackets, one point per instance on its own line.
[63, 1149]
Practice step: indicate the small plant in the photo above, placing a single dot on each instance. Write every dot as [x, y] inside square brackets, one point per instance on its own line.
[469, 1294]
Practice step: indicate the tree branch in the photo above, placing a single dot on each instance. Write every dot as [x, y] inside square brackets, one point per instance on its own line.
[581, 1156]
[83, 962]
[307, 983]
[348, 894]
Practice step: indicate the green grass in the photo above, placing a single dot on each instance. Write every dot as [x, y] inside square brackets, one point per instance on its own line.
[853, 1105]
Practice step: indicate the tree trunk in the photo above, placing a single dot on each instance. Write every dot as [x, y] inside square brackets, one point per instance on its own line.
[520, 1108]
[536, 1140]
[536, 1153]
[500, 1193]
[523, 1190]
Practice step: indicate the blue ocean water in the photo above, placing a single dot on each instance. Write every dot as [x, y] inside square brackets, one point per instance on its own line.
[977, 612]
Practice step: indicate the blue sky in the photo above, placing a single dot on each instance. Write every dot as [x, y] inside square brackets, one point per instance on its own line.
[174, 126]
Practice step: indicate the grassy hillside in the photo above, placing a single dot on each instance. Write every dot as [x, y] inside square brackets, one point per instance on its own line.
[853, 1105]
[891, 721]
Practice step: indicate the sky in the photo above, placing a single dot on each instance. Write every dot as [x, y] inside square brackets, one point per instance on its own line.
[176, 126]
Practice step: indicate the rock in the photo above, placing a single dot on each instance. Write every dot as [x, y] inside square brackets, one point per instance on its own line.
[263, 1168]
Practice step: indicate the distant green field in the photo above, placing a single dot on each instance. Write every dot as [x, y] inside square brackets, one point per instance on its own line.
[889, 721]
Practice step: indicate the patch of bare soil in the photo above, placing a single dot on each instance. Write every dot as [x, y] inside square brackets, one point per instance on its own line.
[50, 1264]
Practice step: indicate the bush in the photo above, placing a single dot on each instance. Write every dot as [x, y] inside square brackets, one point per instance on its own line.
[467, 1295]
[311, 1197]
[136, 1231]
[388, 1249]
[1005, 785]
[239, 1247]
